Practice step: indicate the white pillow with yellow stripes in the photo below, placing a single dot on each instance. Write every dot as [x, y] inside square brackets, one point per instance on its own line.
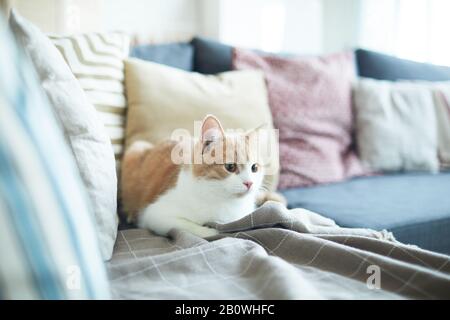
[96, 60]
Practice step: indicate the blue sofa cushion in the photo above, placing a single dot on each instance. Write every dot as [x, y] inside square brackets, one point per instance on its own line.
[380, 66]
[178, 55]
[211, 57]
[415, 207]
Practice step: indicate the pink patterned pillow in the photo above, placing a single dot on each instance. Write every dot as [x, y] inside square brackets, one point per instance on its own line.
[310, 99]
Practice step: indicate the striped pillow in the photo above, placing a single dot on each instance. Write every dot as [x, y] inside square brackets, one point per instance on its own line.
[48, 245]
[96, 60]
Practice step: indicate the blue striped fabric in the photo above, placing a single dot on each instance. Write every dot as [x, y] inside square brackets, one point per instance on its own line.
[48, 245]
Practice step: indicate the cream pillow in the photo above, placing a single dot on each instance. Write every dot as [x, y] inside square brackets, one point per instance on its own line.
[162, 99]
[396, 126]
[85, 134]
[442, 102]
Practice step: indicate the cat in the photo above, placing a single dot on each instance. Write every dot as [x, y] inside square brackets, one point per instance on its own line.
[160, 194]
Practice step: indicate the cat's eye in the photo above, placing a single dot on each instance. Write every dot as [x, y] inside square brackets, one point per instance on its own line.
[255, 167]
[230, 167]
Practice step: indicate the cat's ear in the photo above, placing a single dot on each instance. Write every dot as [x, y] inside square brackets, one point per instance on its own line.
[211, 130]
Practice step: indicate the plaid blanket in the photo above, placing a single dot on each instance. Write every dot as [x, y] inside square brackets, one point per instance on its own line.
[275, 253]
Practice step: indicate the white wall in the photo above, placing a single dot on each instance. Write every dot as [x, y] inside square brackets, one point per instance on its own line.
[273, 25]
[296, 26]
[209, 18]
[307, 26]
[304, 26]
[341, 24]
[61, 16]
[153, 20]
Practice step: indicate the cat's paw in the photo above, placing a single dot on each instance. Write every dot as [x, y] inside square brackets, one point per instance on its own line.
[265, 196]
[205, 232]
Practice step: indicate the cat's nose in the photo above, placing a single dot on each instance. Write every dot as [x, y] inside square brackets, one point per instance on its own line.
[248, 184]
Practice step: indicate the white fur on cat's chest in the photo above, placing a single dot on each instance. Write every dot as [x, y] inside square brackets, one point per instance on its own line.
[197, 200]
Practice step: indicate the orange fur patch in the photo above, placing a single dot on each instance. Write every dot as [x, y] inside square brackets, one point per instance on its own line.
[146, 173]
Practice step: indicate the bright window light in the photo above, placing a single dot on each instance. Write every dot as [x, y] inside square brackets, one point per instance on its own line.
[411, 29]
[273, 16]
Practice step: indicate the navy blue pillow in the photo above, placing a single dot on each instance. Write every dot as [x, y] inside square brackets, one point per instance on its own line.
[211, 56]
[178, 55]
[385, 67]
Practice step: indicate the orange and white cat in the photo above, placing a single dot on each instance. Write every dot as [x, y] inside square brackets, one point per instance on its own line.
[160, 195]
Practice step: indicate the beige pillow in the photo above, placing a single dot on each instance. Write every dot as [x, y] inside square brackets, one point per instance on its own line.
[442, 102]
[396, 126]
[162, 99]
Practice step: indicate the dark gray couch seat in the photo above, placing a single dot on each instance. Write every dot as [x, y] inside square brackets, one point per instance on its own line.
[414, 206]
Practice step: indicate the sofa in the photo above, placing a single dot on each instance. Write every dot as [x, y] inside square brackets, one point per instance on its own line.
[415, 206]
[63, 113]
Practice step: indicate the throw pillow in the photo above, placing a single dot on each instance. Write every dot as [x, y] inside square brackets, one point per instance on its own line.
[84, 132]
[162, 99]
[442, 105]
[385, 67]
[48, 243]
[178, 55]
[211, 57]
[396, 126]
[96, 60]
[310, 99]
